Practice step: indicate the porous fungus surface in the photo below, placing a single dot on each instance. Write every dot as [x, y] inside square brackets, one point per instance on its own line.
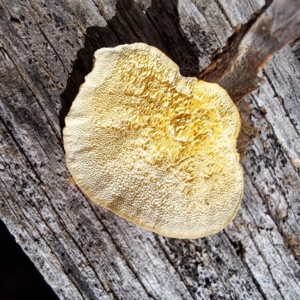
[156, 148]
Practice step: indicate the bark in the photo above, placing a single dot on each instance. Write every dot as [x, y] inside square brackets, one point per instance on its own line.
[236, 68]
[85, 251]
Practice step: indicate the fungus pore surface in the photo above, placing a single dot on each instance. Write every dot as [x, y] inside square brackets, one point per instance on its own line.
[156, 148]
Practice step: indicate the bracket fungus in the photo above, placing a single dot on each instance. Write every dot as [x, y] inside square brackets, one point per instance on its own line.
[154, 147]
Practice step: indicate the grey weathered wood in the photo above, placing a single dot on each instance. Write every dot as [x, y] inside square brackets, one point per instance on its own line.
[236, 67]
[86, 252]
[295, 46]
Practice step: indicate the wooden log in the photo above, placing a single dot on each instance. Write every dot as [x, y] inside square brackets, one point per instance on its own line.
[252, 46]
[87, 252]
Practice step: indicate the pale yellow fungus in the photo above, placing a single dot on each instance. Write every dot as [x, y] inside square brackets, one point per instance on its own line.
[156, 148]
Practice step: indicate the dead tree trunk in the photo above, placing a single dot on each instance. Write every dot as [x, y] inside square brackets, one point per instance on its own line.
[84, 252]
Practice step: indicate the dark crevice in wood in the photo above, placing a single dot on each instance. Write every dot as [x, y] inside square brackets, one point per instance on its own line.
[209, 249]
[224, 13]
[295, 45]
[46, 38]
[274, 219]
[67, 263]
[118, 39]
[287, 113]
[275, 283]
[29, 46]
[24, 78]
[236, 245]
[278, 146]
[172, 263]
[19, 147]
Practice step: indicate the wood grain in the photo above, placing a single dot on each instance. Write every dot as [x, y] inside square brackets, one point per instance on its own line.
[86, 252]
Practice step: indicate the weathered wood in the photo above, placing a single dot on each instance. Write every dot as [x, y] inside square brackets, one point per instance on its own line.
[252, 46]
[295, 46]
[86, 252]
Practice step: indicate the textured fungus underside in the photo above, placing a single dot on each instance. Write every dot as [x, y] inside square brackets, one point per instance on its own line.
[157, 148]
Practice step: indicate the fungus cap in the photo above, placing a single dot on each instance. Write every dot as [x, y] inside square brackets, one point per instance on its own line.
[156, 148]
